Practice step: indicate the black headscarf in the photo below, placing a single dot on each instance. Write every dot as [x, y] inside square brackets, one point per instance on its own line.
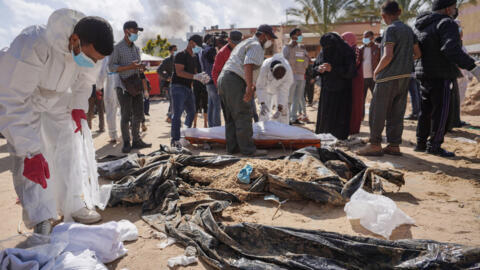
[340, 56]
[333, 46]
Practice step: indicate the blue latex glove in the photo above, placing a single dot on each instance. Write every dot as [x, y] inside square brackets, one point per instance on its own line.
[244, 174]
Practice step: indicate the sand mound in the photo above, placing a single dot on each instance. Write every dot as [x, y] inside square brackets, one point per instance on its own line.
[225, 178]
[471, 106]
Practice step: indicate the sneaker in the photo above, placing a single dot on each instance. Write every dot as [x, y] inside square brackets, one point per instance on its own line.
[420, 147]
[374, 150]
[411, 117]
[44, 227]
[126, 148]
[438, 151]
[86, 216]
[140, 145]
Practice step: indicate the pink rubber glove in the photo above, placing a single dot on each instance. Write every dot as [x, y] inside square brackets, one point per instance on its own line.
[77, 116]
[36, 170]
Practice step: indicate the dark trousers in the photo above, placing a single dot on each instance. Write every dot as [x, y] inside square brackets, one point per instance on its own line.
[309, 88]
[454, 110]
[368, 83]
[434, 110]
[131, 108]
[414, 96]
[388, 105]
[93, 103]
[182, 100]
[238, 114]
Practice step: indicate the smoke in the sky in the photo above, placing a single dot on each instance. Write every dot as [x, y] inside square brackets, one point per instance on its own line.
[167, 18]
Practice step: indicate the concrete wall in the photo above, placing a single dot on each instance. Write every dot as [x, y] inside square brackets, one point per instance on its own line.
[469, 16]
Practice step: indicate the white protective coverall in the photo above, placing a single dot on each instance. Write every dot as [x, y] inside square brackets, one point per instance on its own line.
[40, 85]
[274, 92]
[109, 97]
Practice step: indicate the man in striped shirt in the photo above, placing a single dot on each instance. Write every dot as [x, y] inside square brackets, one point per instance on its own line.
[236, 88]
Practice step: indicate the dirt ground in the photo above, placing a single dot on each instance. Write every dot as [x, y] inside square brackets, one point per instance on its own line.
[441, 195]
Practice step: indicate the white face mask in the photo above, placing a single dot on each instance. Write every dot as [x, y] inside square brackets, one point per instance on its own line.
[267, 44]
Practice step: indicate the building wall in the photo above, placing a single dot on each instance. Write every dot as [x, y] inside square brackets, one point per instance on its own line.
[469, 16]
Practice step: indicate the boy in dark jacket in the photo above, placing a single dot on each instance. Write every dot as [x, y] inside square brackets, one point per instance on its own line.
[442, 54]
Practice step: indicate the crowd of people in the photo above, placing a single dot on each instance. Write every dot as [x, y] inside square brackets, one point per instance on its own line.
[220, 75]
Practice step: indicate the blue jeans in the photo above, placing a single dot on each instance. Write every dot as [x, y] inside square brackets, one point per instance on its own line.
[214, 106]
[182, 100]
[297, 99]
[414, 96]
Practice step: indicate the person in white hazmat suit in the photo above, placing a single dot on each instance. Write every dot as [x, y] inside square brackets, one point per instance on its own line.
[46, 77]
[273, 86]
[109, 98]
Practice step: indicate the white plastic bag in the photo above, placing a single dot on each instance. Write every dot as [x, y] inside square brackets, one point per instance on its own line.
[377, 213]
[168, 242]
[181, 260]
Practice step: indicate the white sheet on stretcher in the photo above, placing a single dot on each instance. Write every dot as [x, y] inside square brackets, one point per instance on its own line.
[268, 130]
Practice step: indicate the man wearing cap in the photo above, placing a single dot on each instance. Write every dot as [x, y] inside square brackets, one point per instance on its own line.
[297, 57]
[234, 38]
[442, 55]
[182, 98]
[125, 60]
[236, 88]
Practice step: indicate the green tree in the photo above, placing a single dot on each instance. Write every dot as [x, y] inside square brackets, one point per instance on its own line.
[157, 47]
[317, 15]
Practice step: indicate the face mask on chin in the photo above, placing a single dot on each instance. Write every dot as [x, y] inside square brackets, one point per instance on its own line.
[82, 60]
[133, 37]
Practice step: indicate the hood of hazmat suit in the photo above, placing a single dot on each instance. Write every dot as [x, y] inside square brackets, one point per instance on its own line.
[38, 74]
[271, 91]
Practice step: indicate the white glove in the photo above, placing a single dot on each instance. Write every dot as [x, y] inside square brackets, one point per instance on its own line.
[205, 78]
[264, 109]
[476, 73]
[200, 76]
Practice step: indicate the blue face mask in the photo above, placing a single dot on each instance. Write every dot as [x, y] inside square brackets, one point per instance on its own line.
[299, 39]
[82, 60]
[133, 37]
[366, 41]
[197, 49]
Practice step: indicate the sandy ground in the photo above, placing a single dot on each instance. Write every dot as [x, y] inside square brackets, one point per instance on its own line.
[442, 195]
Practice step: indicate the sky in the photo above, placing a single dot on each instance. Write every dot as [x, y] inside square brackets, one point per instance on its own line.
[169, 18]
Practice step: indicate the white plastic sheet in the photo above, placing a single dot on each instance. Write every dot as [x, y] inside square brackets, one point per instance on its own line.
[377, 213]
[105, 239]
[77, 168]
[268, 130]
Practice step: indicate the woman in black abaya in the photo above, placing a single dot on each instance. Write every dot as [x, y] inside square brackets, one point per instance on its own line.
[336, 66]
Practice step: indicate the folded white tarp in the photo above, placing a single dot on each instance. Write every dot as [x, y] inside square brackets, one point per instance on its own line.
[71, 246]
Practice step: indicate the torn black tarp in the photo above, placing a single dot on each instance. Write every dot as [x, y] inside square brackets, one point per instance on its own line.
[174, 203]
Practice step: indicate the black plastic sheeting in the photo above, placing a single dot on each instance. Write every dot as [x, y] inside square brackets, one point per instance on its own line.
[158, 182]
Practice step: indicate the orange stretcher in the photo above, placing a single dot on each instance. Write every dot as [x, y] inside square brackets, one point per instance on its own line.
[265, 144]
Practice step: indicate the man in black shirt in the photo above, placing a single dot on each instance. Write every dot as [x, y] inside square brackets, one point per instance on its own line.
[182, 98]
[165, 72]
[437, 70]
